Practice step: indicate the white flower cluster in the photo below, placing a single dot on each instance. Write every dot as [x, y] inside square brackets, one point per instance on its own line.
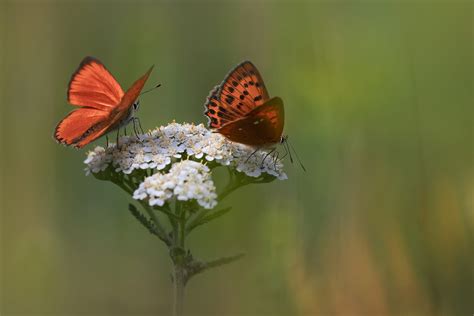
[158, 148]
[185, 180]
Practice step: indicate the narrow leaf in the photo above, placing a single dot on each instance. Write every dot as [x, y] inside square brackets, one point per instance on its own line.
[199, 267]
[205, 217]
[145, 221]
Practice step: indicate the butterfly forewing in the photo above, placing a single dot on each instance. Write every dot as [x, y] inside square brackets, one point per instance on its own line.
[119, 115]
[92, 85]
[134, 91]
[241, 91]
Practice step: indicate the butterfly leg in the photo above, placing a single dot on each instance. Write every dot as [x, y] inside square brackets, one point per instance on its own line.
[275, 159]
[118, 134]
[135, 120]
[252, 154]
[125, 130]
[135, 127]
[139, 124]
[107, 140]
[264, 158]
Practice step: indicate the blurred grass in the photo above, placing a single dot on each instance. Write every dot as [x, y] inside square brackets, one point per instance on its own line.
[378, 97]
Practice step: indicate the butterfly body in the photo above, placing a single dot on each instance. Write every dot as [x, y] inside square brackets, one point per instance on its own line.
[103, 106]
[241, 109]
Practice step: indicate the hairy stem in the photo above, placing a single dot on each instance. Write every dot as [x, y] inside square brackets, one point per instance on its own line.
[179, 259]
[179, 277]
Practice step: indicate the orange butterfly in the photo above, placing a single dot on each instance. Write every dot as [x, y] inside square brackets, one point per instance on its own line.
[241, 110]
[103, 106]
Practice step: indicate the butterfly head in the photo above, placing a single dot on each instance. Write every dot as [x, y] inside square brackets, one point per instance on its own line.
[136, 105]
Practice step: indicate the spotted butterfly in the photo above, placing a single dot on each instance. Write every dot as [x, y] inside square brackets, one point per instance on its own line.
[241, 109]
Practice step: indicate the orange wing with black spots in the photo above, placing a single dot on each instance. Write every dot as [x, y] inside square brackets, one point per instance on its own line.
[240, 108]
[241, 91]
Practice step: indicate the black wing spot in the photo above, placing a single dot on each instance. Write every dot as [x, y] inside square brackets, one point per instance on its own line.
[251, 83]
[235, 83]
[257, 84]
[257, 98]
[212, 111]
[230, 89]
[246, 92]
[223, 110]
[229, 100]
[246, 85]
[241, 97]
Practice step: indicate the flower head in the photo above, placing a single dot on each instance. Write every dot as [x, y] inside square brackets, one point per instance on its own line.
[186, 180]
[167, 144]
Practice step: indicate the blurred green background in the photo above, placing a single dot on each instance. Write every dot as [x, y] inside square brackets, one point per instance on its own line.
[379, 104]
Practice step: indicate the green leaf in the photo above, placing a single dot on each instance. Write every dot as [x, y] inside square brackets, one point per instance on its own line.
[196, 267]
[222, 261]
[145, 221]
[204, 218]
[168, 213]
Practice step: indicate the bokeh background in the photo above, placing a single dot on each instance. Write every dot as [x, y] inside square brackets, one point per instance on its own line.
[379, 104]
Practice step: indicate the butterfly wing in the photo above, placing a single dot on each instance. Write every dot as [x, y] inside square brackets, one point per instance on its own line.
[133, 92]
[104, 105]
[241, 91]
[92, 85]
[263, 126]
[81, 126]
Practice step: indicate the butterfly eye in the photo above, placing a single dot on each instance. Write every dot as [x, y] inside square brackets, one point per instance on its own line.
[136, 105]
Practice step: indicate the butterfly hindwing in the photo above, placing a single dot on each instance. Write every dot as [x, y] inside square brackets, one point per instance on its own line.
[92, 85]
[81, 126]
[261, 127]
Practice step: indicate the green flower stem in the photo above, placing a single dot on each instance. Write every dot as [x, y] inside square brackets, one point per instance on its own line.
[179, 257]
[159, 227]
[233, 184]
[160, 230]
[179, 283]
[183, 219]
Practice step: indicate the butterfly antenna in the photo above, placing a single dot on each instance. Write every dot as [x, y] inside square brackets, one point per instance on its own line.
[287, 148]
[157, 86]
[296, 154]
